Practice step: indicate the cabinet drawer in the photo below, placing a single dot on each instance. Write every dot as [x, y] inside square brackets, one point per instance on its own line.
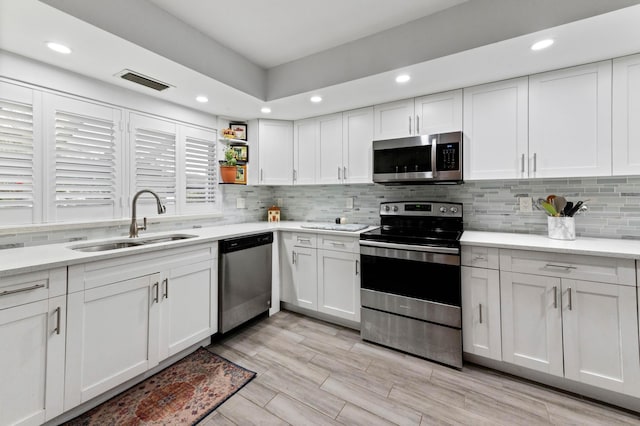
[578, 267]
[26, 288]
[480, 257]
[303, 239]
[339, 243]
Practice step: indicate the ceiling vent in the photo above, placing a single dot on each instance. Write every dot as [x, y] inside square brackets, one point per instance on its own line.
[144, 80]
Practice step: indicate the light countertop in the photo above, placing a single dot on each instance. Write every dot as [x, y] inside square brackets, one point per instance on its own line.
[36, 258]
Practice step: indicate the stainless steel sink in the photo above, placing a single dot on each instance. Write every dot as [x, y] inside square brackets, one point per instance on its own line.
[122, 244]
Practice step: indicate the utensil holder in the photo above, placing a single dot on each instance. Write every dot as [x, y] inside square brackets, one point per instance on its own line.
[561, 228]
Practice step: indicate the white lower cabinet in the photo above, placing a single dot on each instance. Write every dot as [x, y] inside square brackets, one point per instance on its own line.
[32, 349]
[125, 315]
[481, 312]
[321, 280]
[586, 331]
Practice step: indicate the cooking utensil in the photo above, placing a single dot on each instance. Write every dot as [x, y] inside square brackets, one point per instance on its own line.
[548, 207]
[567, 208]
[550, 198]
[575, 208]
[559, 203]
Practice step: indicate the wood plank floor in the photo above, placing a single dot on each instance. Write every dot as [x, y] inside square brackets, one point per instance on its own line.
[314, 373]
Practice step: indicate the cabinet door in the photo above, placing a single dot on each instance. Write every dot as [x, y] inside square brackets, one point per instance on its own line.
[600, 327]
[570, 122]
[32, 355]
[112, 336]
[357, 134]
[481, 312]
[330, 154]
[287, 255]
[438, 113]
[339, 284]
[305, 151]
[189, 301]
[531, 322]
[275, 152]
[305, 284]
[393, 120]
[626, 115]
[495, 130]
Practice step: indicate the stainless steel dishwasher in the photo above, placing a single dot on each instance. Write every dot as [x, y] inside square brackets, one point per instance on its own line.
[244, 279]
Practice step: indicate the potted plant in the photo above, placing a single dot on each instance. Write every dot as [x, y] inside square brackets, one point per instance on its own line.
[228, 166]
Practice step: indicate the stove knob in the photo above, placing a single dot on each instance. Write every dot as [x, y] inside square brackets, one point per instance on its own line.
[387, 208]
[443, 209]
[454, 210]
[395, 208]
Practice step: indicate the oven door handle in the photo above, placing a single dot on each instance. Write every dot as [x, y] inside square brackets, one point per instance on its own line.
[396, 246]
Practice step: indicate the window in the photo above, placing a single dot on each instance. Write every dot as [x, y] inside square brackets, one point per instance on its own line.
[200, 169]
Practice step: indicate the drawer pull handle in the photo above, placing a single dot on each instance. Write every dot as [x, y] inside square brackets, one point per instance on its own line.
[58, 319]
[165, 284]
[357, 271]
[555, 297]
[403, 306]
[155, 290]
[293, 257]
[336, 243]
[308, 240]
[552, 265]
[479, 258]
[20, 290]
[570, 300]
[480, 310]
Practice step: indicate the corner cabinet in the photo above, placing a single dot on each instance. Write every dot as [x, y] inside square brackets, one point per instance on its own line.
[32, 332]
[125, 315]
[572, 316]
[275, 148]
[320, 273]
[481, 302]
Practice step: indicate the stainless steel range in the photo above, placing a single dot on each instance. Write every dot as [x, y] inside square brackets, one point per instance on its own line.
[410, 282]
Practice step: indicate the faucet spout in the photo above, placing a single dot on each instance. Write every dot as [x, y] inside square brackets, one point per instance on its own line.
[134, 228]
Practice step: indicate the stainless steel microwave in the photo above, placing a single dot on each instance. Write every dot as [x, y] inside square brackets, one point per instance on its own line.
[418, 159]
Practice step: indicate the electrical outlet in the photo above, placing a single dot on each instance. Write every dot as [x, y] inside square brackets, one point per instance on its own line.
[279, 202]
[349, 203]
[241, 203]
[525, 204]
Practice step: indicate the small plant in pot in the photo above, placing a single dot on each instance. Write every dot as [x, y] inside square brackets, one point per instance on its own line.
[228, 166]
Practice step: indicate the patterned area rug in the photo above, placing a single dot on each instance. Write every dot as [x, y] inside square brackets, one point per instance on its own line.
[183, 393]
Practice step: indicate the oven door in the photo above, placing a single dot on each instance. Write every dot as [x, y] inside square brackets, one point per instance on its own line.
[418, 272]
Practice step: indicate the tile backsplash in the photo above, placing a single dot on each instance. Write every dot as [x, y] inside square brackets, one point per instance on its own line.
[614, 207]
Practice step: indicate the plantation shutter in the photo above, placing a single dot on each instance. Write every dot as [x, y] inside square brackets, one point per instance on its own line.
[17, 183]
[86, 160]
[155, 159]
[201, 168]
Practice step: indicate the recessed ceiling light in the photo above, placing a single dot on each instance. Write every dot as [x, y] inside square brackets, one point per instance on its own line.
[542, 44]
[265, 110]
[57, 47]
[202, 99]
[403, 78]
[316, 99]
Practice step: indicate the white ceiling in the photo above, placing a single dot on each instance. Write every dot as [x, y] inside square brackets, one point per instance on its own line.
[26, 24]
[270, 33]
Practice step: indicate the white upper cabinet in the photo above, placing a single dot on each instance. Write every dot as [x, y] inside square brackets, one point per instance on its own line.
[329, 165]
[275, 147]
[570, 122]
[357, 135]
[393, 119]
[438, 113]
[305, 151]
[626, 115]
[496, 130]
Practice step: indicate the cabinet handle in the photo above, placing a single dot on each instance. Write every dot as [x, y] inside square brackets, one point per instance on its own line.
[304, 239]
[570, 299]
[357, 269]
[344, 173]
[339, 173]
[261, 176]
[336, 243]
[165, 284]
[409, 124]
[295, 175]
[58, 319]
[293, 257]
[553, 265]
[20, 290]
[535, 162]
[417, 124]
[480, 310]
[522, 164]
[479, 258]
[555, 297]
[155, 290]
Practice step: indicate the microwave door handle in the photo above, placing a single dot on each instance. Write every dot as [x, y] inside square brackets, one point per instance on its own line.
[434, 153]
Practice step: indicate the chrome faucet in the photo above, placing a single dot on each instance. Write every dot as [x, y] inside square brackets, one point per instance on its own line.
[134, 228]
